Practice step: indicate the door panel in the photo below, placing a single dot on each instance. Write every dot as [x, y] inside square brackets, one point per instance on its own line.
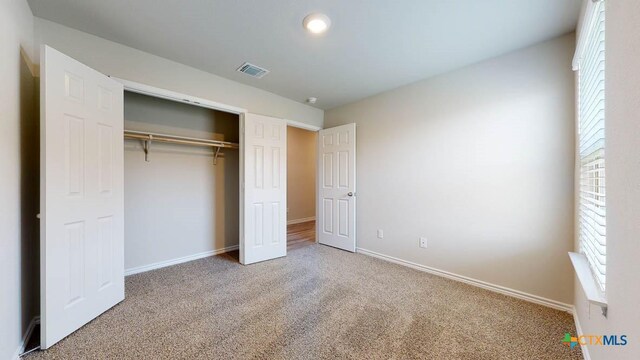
[337, 188]
[82, 222]
[264, 194]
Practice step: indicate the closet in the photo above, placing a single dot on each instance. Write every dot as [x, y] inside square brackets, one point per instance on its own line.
[135, 178]
[181, 176]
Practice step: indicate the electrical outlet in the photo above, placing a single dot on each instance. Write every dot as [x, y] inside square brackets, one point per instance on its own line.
[380, 234]
[423, 242]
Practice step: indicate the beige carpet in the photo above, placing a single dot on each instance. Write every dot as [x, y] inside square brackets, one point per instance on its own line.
[317, 303]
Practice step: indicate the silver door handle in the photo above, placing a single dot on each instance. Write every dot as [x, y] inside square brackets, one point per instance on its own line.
[350, 193]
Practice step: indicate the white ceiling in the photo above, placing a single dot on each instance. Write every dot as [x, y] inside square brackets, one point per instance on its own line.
[372, 45]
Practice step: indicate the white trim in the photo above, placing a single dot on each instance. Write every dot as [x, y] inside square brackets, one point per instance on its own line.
[576, 320]
[467, 280]
[301, 220]
[176, 261]
[176, 96]
[241, 161]
[25, 337]
[587, 279]
[302, 125]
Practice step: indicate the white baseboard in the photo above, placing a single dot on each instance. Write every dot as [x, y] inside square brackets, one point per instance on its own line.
[298, 221]
[576, 320]
[180, 260]
[26, 336]
[467, 280]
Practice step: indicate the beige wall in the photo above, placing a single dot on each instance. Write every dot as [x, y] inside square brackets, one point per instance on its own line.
[131, 64]
[479, 161]
[178, 204]
[301, 173]
[18, 177]
[623, 189]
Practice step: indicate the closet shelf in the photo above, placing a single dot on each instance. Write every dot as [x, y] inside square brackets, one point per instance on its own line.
[148, 137]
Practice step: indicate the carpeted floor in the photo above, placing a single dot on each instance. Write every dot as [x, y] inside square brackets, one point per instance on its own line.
[317, 303]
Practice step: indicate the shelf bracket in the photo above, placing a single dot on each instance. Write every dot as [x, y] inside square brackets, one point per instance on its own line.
[215, 156]
[146, 146]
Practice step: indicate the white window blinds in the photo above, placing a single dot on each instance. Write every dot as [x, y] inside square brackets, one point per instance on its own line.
[591, 116]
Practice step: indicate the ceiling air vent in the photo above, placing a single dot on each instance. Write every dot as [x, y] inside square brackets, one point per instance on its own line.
[253, 70]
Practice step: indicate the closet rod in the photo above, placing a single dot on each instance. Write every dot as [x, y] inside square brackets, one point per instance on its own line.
[148, 137]
[131, 134]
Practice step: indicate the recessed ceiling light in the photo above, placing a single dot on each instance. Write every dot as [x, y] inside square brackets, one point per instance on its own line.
[316, 23]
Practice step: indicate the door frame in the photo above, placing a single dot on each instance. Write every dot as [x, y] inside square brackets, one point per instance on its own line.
[303, 126]
[316, 129]
[157, 92]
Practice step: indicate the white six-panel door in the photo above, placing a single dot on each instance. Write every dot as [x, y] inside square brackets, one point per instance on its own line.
[82, 230]
[336, 212]
[263, 202]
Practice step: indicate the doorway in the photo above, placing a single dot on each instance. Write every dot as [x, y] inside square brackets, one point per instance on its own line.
[301, 187]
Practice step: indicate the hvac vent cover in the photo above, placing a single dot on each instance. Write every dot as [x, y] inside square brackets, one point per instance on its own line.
[253, 70]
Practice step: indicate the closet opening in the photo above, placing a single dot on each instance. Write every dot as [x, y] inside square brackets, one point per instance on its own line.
[181, 182]
[301, 187]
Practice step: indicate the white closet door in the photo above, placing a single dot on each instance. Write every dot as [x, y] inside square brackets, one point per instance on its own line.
[263, 229]
[82, 201]
[336, 202]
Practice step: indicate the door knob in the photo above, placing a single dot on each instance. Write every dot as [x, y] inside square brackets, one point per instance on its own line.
[349, 193]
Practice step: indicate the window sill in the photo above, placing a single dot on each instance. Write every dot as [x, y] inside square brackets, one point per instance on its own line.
[588, 283]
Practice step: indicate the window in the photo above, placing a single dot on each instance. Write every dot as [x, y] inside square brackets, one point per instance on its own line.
[590, 64]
